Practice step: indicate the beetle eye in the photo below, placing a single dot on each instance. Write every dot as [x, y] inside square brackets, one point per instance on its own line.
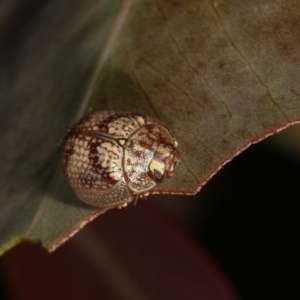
[169, 147]
[157, 175]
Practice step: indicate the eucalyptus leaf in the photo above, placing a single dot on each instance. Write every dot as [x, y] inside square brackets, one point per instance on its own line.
[220, 75]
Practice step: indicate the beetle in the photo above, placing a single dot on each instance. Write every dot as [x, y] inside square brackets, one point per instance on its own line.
[111, 158]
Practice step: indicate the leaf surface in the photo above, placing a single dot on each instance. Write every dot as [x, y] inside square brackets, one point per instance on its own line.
[220, 74]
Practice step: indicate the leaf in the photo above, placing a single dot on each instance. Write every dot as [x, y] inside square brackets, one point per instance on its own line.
[221, 75]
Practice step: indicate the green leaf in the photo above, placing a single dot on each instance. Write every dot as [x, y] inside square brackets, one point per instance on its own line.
[220, 74]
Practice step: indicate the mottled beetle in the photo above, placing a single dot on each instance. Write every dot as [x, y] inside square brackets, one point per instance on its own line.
[111, 158]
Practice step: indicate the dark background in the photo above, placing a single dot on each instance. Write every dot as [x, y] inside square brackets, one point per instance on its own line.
[250, 223]
[247, 216]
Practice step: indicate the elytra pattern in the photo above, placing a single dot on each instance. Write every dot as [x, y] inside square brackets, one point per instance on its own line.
[111, 158]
